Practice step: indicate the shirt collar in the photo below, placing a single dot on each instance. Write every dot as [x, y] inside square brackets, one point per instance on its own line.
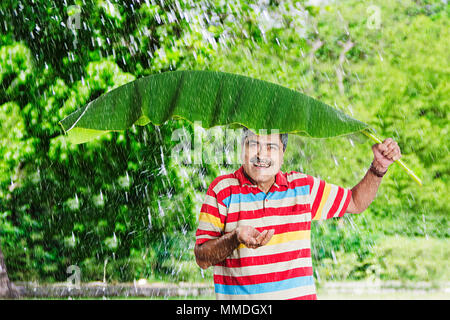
[244, 179]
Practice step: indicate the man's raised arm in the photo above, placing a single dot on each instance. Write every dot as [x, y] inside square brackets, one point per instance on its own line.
[364, 192]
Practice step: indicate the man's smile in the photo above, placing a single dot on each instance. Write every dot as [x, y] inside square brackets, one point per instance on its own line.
[258, 163]
[261, 165]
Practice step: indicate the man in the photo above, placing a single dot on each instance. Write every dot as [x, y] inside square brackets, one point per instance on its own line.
[254, 226]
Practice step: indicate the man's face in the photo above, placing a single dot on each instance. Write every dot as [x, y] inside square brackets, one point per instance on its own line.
[262, 156]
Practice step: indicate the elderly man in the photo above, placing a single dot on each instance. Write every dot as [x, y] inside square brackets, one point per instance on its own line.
[254, 226]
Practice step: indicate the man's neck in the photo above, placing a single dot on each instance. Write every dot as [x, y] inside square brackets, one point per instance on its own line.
[265, 187]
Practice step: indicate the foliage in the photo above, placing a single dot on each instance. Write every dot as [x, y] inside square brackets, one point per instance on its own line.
[213, 99]
[122, 208]
[393, 258]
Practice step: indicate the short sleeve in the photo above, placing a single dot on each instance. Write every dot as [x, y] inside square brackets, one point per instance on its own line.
[211, 220]
[328, 200]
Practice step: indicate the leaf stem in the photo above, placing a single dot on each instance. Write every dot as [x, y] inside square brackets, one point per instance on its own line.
[376, 139]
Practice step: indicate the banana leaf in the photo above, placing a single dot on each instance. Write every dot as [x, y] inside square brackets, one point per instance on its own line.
[213, 98]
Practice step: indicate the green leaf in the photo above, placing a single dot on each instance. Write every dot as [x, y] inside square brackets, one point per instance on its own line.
[212, 97]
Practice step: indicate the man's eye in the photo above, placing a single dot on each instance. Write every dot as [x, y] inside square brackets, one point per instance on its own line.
[273, 147]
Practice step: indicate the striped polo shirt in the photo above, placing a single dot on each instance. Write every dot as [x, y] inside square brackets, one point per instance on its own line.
[282, 269]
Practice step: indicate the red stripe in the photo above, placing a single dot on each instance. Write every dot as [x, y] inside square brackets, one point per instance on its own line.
[201, 232]
[347, 201]
[336, 203]
[206, 208]
[201, 241]
[213, 184]
[263, 278]
[267, 212]
[211, 210]
[317, 199]
[266, 259]
[210, 192]
[304, 181]
[241, 190]
[306, 297]
[220, 178]
[288, 227]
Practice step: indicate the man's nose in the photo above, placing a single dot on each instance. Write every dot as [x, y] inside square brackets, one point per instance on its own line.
[258, 149]
[261, 150]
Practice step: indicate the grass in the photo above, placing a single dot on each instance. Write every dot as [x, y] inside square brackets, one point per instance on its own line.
[401, 295]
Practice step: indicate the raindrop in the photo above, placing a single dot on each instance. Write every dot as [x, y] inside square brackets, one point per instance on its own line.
[351, 142]
[161, 210]
[335, 161]
[334, 256]
[149, 218]
[424, 227]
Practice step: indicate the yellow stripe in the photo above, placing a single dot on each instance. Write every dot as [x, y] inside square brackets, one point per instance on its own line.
[209, 218]
[326, 193]
[285, 237]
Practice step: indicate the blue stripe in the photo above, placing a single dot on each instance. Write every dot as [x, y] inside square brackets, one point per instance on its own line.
[289, 193]
[227, 201]
[260, 196]
[264, 287]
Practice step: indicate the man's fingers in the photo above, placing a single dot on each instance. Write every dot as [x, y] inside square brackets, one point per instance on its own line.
[250, 241]
[261, 237]
[254, 233]
[393, 149]
[260, 240]
[397, 156]
[389, 152]
[389, 148]
[379, 146]
[268, 236]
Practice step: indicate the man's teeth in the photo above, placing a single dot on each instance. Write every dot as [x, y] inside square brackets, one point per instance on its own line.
[261, 165]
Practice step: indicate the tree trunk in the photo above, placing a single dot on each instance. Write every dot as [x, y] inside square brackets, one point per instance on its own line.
[7, 289]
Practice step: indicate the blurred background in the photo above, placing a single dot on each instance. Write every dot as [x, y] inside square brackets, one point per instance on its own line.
[121, 209]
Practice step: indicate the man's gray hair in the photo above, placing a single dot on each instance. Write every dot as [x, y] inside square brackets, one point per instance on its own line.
[283, 137]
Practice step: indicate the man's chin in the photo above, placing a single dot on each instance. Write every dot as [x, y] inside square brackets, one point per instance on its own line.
[260, 177]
